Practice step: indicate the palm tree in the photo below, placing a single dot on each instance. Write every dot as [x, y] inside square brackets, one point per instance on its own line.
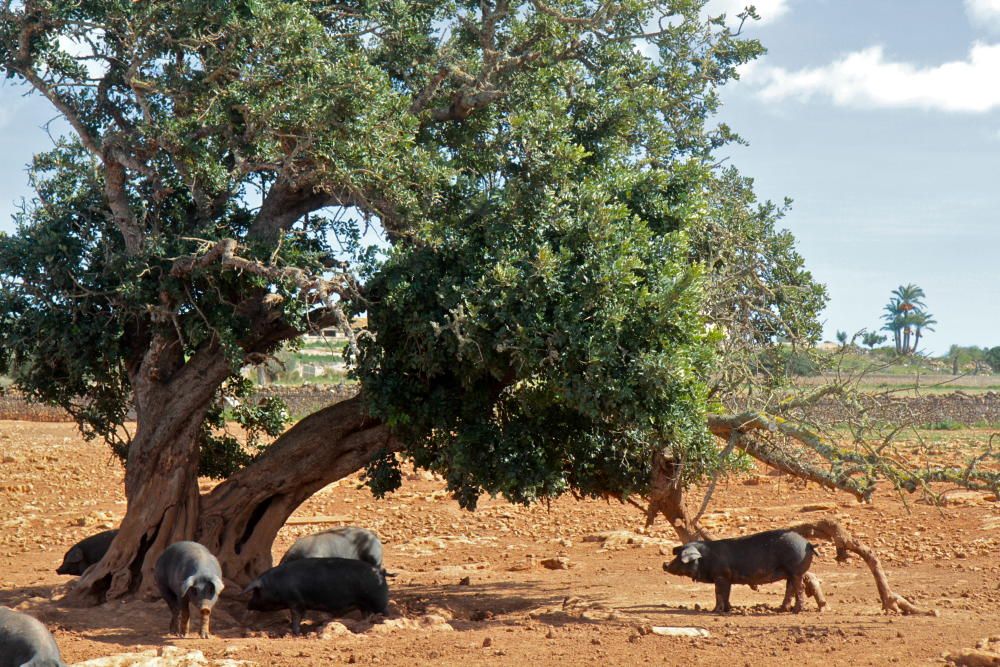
[904, 316]
[893, 318]
[920, 321]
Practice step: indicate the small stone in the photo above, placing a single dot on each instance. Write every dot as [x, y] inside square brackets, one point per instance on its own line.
[557, 563]
[464, 581]
[488, 642]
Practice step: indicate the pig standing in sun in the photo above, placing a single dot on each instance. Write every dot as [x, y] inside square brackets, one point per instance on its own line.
[756, 559]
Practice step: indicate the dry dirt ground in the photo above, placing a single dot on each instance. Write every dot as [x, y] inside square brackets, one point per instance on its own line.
[472, 589]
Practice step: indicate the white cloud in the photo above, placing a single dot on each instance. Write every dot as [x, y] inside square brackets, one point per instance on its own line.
[985, 13]
[867, 79]
[769, 10]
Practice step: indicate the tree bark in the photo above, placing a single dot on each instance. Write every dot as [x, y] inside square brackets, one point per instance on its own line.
[241, 516]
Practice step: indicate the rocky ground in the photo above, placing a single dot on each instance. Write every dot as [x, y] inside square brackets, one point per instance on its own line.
[577, 582]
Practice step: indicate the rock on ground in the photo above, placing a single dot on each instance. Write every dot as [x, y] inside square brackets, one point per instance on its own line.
[167, 656]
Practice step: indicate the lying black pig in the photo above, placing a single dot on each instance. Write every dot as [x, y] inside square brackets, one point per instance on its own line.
[762, 558]
[334, 585]
[86, 552]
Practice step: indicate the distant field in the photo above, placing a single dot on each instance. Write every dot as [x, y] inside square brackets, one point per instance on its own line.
[920, 383]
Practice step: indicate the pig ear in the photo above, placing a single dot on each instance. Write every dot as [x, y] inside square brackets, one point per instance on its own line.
[186, 585]
[690, 553]
[74, 555]
[252, 586]
[677, 550]
[218, 585]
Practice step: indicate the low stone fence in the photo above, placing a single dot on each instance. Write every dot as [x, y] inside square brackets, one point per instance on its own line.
[956, 407]
[301, 400]
[930, 410]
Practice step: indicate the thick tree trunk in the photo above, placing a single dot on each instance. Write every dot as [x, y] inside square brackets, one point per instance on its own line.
[241, 516]
[161, 477]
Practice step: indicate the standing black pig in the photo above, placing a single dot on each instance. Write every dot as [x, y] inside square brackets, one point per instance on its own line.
[346, 542]
[187, 572]
[762, 558]
[25, 642]
[334, 585]
[86, 552]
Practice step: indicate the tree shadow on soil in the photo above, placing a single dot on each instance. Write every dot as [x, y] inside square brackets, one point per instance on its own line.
[128, 623]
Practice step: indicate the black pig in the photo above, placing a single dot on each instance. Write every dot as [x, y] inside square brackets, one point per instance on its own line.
[334, 585]
[25, 642]
[187, 572]
[86, 552]
[762, 558]
[346, 542]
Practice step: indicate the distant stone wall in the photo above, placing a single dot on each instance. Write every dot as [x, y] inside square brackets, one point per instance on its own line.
[957, 407]
[968, 409]
[13, 405]
[306, 399]
[301, 400]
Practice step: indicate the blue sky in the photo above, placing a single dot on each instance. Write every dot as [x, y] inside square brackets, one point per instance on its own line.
[880, 118]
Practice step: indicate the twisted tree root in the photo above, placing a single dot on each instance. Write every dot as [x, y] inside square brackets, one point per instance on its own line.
[829, 529]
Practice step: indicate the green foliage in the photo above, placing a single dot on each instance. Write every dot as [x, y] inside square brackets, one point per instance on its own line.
[871, 338]
[570, 277]
[531, 355]
[992, 357]
[943, 425]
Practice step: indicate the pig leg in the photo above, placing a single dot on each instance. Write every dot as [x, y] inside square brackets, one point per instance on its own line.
[799, 593]
[722, 588]
[174, 604]
[786, 604]
[296, 621]
[185, 616]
